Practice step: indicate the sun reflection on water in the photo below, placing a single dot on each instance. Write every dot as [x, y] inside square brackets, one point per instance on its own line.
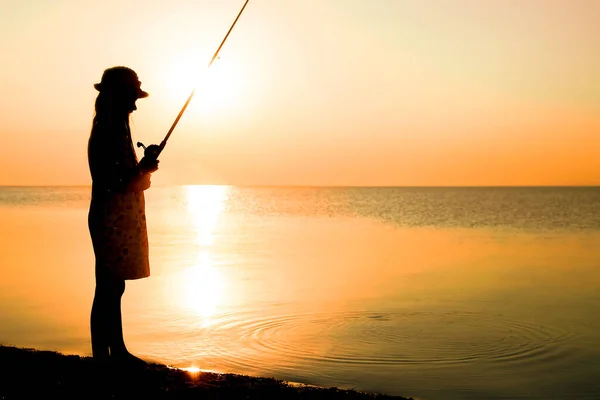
[205, 203]
[205, 283]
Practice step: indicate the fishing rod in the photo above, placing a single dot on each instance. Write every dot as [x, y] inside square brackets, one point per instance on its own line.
[152, 152]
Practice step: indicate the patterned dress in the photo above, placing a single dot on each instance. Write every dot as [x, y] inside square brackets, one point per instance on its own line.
[117, 218]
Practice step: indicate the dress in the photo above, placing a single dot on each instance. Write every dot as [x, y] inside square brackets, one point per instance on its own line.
[117, 217]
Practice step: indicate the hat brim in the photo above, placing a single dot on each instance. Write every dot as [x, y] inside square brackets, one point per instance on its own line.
[141, 93]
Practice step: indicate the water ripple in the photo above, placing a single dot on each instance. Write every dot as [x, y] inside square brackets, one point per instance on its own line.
[393, 338]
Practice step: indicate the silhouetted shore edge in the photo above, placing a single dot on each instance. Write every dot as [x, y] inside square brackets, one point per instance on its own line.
[34, 374]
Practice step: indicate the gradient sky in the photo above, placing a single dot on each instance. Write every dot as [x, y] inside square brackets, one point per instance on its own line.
[312, 92]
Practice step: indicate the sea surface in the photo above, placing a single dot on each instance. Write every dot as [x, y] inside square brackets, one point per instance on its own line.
[435, 293]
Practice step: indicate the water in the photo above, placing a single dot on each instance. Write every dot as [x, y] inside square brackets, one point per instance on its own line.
[436, 293]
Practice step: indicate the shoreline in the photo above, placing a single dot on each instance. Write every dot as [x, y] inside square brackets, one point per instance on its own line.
[34, 374]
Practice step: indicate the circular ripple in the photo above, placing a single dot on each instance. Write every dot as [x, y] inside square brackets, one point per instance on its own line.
[386, 338]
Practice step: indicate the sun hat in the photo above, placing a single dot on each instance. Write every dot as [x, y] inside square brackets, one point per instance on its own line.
[119, 78]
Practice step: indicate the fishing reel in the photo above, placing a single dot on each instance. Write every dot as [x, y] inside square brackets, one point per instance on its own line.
[151, 154]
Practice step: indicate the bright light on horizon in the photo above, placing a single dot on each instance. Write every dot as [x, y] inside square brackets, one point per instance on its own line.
[205, 203]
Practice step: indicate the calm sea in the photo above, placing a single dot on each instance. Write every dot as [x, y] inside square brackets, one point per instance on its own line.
[435, 293]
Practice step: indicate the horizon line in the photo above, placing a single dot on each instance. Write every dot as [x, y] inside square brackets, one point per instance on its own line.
[322, 186]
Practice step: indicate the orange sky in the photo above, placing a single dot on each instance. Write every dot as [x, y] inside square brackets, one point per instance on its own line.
[312, 92]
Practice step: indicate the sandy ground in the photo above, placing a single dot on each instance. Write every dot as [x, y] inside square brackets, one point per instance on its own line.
[36, 374]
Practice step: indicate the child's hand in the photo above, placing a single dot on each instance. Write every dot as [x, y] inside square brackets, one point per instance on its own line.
[148, 165]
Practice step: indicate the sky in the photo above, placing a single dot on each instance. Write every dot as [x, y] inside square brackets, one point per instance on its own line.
[312, 92]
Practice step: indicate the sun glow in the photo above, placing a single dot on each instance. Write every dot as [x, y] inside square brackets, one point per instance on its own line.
[205, 283]
[217, 88]
[205, 288]
[205, 203]
[192, 370]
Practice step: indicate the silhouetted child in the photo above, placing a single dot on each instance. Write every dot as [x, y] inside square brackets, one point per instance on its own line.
[117, 219]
